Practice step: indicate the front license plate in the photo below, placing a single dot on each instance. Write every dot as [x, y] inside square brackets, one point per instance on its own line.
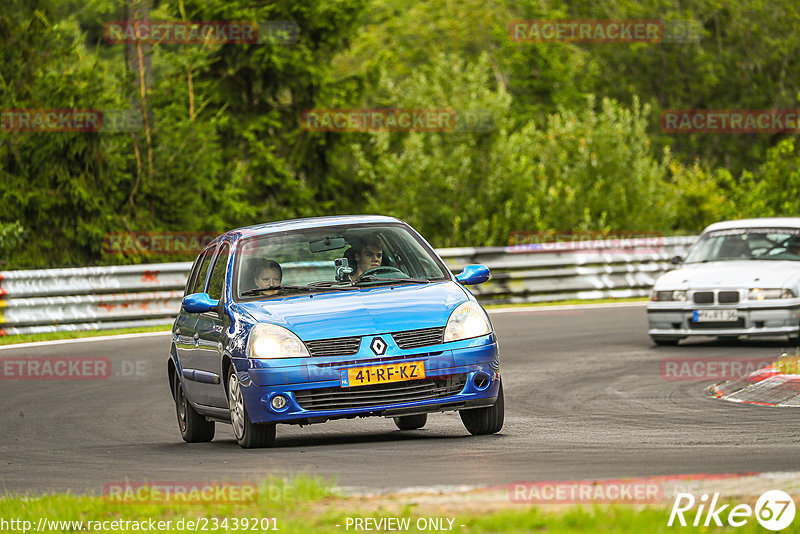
[701, 316]
[381, 374]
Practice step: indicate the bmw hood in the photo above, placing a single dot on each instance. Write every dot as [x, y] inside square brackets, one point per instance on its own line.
[732, 274]
[361, 312]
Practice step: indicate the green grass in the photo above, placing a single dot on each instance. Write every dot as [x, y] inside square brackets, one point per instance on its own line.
[309, 504]
[49, 336]
[788, 363]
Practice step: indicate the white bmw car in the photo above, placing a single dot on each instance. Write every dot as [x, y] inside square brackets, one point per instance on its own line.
[741, 278]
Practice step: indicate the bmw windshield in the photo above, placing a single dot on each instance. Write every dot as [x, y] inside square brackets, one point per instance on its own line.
[747, 244]
[337, 258]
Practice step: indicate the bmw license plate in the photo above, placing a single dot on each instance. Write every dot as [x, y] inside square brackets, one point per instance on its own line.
[722, 316]
[381, 374]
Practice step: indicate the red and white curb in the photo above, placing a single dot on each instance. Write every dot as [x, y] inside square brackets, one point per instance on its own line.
[765, 387]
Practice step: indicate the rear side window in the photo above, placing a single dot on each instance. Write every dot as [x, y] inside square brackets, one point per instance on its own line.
[218, 274]
[199, 274]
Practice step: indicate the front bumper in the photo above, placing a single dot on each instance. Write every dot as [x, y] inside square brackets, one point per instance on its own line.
[756, 319]
[459, 378]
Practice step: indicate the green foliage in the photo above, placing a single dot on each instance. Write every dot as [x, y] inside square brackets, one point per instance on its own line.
[588, 169]
[702, 196]
[773, 189]
[11, 235]
[575, 142]
[236, 156]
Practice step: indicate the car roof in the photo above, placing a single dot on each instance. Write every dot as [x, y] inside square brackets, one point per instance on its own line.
[764, 222]
[310, 222]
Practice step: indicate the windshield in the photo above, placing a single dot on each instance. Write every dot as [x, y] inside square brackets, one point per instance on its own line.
[336, 258]
[747, 244]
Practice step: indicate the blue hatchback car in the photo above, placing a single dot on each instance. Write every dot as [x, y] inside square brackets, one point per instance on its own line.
[308, 320]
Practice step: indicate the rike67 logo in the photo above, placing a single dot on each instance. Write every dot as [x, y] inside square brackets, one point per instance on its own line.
[774, 510]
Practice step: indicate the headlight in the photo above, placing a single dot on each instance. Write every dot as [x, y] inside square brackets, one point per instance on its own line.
[761, 294]
[468, 320]
[678, 295]
[272, 341]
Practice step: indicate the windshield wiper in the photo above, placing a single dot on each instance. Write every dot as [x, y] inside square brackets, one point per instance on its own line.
[311, 287]
[391, 281]
[259, 290]
[333, 284]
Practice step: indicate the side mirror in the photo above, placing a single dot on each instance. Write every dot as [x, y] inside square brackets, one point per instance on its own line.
[676, 260]
[473, 274]
[199, 303]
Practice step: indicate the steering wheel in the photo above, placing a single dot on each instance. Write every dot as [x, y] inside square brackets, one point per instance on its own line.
[757, 252]
[384, 269]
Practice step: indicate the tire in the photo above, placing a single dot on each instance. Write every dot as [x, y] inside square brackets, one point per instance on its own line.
[249, 435]
[411, 422]
[193, 426]
[665, 341]
[482, 421]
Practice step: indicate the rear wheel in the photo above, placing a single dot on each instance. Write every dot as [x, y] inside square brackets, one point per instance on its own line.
[193, 426]
[489, 420]
[248, 434]
[665, 341]
[411, 422]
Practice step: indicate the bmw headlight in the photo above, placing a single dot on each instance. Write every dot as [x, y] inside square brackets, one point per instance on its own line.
[272, 341]
[468, 320]
[762, 294]
[678, 295]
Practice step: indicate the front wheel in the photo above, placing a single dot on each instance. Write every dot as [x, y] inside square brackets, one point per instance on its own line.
[489, 420]
[193, 426]
[248, 434]
[663, 341]
[411, 422]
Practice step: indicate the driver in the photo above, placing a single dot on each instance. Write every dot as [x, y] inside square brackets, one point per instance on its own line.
[368, 255]
[793, 245]
[266, 273]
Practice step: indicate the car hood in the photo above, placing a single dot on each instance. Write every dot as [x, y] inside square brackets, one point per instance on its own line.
[361, 312]
[732, 274]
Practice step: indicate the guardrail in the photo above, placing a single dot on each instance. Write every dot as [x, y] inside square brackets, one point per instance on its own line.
[95, 298]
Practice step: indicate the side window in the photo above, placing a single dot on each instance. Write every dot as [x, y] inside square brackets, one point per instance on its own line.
[200, 275]
[218, 273]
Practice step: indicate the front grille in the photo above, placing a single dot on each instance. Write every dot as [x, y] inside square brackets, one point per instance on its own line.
[717, 324]
[728, 297]
[395, 357]
[340, 346]
[381, 394]
[704, 297]
[412, 339]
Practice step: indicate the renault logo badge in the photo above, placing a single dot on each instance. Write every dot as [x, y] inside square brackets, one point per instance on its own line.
[378, 346]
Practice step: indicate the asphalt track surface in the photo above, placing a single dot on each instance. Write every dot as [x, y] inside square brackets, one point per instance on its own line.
[585, 399]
